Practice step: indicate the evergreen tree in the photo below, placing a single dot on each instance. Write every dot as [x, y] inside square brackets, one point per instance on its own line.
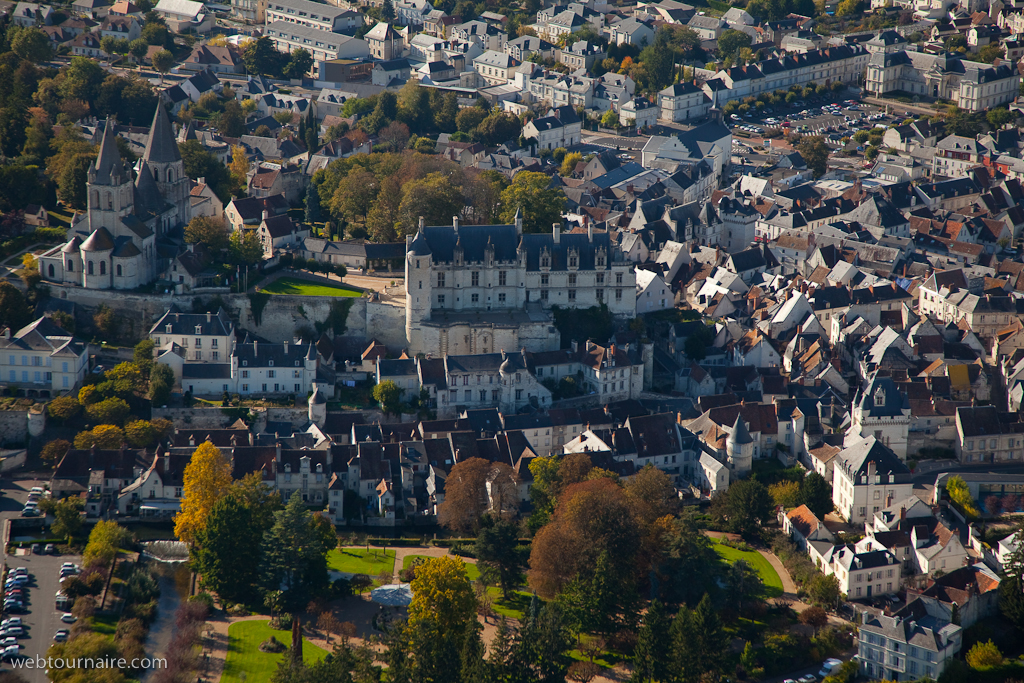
[474, 668]
[544, 643]
[396, 656]
[652, 648]
[711, 640]
[312, 204]
[310, 136]
[1011, 589]
[683, 666]
[387, 11]
[501, 664]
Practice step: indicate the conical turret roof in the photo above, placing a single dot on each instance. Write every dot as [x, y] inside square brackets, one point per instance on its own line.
[161, 147]
[740, 435]
[147, 194]
[108, 163]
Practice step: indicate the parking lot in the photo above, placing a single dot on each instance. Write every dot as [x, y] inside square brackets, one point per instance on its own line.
[42, 619]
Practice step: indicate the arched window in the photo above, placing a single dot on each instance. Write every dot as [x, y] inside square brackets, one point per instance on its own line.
[95, 198]
[90, 267]
[170, 175]
[71, 266]
[110, 201]
[103, 267]
[119, 270]
[50, 270]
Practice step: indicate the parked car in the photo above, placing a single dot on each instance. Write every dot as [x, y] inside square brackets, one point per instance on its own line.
[10, 621]
[10, 653]
[68, 618]
[808, 678]
[9, 641]
[50, 549]
[15, 631]
[829, 667]
[61, 635]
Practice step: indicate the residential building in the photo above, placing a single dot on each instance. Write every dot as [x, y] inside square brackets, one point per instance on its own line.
[384, 42]
[43, 359]
[495, 67]
[985, 435]
[881, 410]
[560, 128]
[683, 102]
[908, 645]
[185, 15]
[803, 526]
[195, 337]
[867, 476]
[312, 15]
[322, 45]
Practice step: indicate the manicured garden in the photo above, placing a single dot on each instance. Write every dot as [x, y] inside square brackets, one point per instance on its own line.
[296, 287]
[245, 662]
[769, 577]
[360, 561]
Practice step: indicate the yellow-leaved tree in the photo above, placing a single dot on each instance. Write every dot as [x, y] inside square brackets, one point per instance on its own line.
[442, 592]
[207, 479]
[105, 539]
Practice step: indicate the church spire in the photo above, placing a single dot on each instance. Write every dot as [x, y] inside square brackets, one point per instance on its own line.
[161, 147]
[108, 164]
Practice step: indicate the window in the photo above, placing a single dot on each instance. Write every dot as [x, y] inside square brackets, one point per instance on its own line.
[89, 267]
[572, 279]
[519, 394]
[440, 300]
[600, 295]
[440, 279]
[469, 395]
[501, 297]
[483, 394]
[543, 295]
[572, 295]
[618, 295]
[199, 343]
[544, 280]
[298, 388]
[245, 374]
[216, 355]
[618, 278]
[270, 374]
[103, 267]
[475, 298]
[572, 260]
[475, 278]
[501, 278]
[600, 279]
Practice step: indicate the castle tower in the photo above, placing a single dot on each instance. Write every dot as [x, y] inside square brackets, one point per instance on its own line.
[109, 186]
[508, 391]
[739, 448]
[418, 293]
[317, 407]
[168, 169]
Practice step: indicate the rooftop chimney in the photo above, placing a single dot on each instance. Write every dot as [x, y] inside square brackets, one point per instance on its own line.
[254, 347]
[455, 224]
[556, 229]
[285, 348]
[423, 223]
[266, 214]
[209, 317]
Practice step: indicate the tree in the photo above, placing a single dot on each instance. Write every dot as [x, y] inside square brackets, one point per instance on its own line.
[984, 656]
[312, 204]
[816, 495]
[652, 647]
[295, 552]
[207, 479]
[610, 119]
[104, 436]
[711, 641]
[395, 134]
[245, 248]
[140, 433]
[105, 539]
[228, 549]
[160, 382]
[1011, 589]
[569, 163]
[55, 450]
[239, 165]
[815, 617]
[748, 506]
[64, 408]
[824, 590]
[999, 117]
[497, 549]
[498, 128]
[465, 499]
[812, 148]
[387, 11]
[540, 204]
[111, 411]
[209, 231]
[138, 49]
[443, 594]
[14, 309]
[299, 64]
[142, 357]
[354, 195]
[434, 197]
[163, 60]
[469, 118]
[67, 522]
[127, 378]
[261, 58]
[31, 44]
[732, 41]
[388, 395]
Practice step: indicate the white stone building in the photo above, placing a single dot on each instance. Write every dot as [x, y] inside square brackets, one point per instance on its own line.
[867, 477]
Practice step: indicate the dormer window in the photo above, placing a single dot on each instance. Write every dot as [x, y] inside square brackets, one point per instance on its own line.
[879, 398]
[199, 329]
[296, 363]
[287, 467]
[270, 363]
[245, 363]
[168, 329]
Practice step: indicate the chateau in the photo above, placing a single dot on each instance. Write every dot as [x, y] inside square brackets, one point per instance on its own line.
[116, 245]
[478, 289]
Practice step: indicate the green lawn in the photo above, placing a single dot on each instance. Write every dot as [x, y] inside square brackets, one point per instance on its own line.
[770, 578]
[297, 287]
[245, 662]
[513, 608]
[358, 561]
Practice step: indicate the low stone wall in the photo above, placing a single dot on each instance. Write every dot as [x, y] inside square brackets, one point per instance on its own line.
[13, 427]
[201, 418]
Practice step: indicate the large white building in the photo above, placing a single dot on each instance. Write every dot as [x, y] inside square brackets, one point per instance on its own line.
[867, 477]
[42, 357]
[482, 288]
[883, 411]
[322, 45]
[115, 245]
[312, 14]
[972, 86]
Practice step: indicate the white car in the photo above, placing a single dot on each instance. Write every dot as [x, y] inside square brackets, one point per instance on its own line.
[10, 621]
[68, 618]
[61, 635]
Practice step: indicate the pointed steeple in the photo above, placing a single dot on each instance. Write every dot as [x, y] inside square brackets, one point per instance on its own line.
[161, 148]
[147, 194]
[108, 164]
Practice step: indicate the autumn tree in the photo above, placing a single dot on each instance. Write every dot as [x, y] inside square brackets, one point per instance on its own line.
[67, 518]
[104, 436]
[442, 593]
[207, 478]
[64, 408]
[111, 411]
[465, 495]
[239, 166]
[105, 539]
[815, 617]
[388, 395]
[54, 451]
[436, 198]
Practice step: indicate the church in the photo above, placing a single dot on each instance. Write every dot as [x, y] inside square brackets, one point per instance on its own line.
[117, 244]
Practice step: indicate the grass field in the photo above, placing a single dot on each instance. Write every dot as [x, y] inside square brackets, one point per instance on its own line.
[297, 287]
[245, 662]
[358, 561]
[513, 608]
[770, 578]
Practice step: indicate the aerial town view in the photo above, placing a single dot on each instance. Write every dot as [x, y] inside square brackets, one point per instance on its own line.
[512, 341]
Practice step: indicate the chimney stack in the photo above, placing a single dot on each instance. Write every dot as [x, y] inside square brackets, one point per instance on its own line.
[423, 223]
[455, 224]
[209, 317]
[285, 348]
[556, 228]
[266, 214]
